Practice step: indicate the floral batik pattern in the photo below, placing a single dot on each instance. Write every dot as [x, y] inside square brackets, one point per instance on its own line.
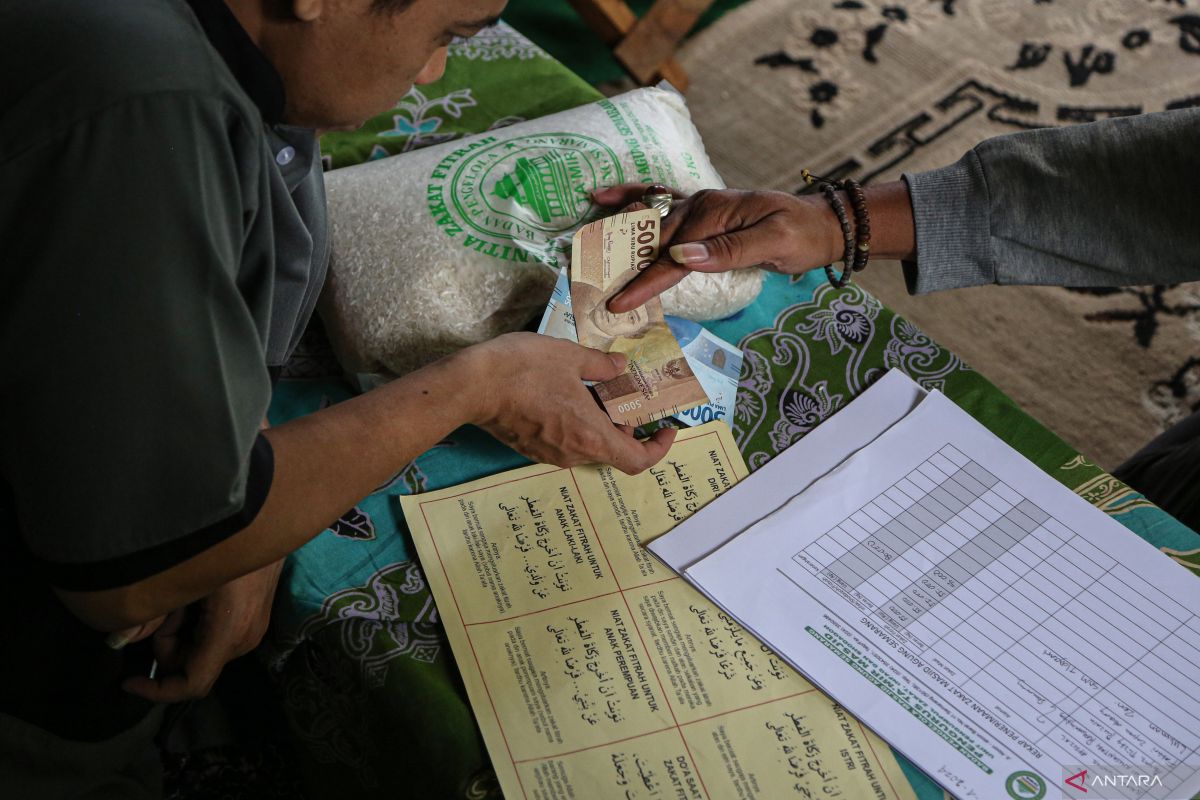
[417, 119]
[816, 358]
[497, 42]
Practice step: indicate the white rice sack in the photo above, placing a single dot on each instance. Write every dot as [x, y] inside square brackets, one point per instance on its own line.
[454, 244]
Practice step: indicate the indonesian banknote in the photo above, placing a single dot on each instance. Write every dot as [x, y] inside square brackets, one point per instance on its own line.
[717, 364]
[658, 382]
[558, 320]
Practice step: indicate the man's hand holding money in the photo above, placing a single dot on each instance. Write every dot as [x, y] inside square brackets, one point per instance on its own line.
[722, 230]
[533, 399]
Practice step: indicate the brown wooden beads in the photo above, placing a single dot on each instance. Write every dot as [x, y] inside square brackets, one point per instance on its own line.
[857, 238]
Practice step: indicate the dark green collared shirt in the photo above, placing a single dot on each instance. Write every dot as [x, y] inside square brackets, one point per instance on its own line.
[162, 242]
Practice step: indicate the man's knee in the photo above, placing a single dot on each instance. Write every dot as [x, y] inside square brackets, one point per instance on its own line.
[1167, 471]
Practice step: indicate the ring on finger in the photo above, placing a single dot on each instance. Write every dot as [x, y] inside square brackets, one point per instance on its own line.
[659, 197]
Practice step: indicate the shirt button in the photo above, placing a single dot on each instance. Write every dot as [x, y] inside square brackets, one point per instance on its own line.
[285, 156]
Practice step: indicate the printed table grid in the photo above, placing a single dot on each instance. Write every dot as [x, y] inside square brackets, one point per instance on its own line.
[1006, 601]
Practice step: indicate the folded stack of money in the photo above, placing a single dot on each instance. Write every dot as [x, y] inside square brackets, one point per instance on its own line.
[676, 367]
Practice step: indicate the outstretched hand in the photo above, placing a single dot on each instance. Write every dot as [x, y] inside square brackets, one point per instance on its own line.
[720, 230]
[716, 231]
[193, 645]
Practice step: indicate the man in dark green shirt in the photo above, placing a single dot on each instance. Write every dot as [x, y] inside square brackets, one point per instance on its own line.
[162, 226]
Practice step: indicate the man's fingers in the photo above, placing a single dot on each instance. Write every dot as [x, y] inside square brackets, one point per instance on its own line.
[202, 660]
[168, 689]
[624, 194]
[655, 280]
[216, 644]
[118, 639]
[173, 622]
[726, 251]
[169, 650]
[621, 195]
[679, 220]
[596, 365]
[171, 688]
[169, 642]
[634, 455]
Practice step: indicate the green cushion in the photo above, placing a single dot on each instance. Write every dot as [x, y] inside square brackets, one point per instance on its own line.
[494, 79]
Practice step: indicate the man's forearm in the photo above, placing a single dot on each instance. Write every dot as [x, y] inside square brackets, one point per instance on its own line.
[1108, 203]
[324, 464]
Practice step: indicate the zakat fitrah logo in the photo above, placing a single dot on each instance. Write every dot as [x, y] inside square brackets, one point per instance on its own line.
[513, 198]
[1025, 785]
[547, 186]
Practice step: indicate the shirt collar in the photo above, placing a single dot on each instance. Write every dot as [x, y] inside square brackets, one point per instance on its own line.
[257, 76]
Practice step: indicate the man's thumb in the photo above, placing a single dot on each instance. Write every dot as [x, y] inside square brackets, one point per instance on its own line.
[601, 366]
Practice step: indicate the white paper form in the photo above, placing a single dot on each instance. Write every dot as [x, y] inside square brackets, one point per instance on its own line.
[886, 402]
[982, 618]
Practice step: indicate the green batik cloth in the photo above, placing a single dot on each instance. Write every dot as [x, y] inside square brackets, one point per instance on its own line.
[369, 684]
[493, 79]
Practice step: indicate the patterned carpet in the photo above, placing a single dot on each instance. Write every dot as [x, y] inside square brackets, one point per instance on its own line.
[872, 89]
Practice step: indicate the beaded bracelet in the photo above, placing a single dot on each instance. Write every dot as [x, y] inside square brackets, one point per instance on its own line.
[857, 249]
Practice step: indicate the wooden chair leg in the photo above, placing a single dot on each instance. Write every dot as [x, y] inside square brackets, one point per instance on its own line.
[613, 21]
[656, 36]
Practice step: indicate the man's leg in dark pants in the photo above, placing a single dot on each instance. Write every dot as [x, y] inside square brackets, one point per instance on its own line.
[1168, 471]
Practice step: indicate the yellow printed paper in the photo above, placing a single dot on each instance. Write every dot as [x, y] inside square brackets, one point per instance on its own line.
[595, 672]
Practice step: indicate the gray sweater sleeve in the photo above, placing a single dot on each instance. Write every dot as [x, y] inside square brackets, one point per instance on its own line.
[1108, 203]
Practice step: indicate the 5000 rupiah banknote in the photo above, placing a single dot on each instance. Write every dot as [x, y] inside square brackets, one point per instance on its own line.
[716, 363]
[658, 382]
